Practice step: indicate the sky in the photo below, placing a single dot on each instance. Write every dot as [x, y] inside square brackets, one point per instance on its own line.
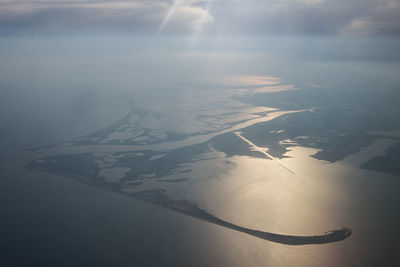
[298, 17]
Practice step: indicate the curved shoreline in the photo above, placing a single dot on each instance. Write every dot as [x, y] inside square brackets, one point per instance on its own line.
[158, 198]
[192, 210]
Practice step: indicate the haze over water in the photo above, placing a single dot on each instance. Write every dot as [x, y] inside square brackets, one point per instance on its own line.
[110, 138]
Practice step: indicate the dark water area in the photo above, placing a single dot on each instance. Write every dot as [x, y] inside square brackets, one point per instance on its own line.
[47, 220]
[51, 221]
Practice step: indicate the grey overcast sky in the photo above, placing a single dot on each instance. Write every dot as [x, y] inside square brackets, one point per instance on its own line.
[339, 17]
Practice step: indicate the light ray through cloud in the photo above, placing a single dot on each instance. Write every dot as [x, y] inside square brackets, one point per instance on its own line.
[170, 13]
[269, 17]
[199, 24]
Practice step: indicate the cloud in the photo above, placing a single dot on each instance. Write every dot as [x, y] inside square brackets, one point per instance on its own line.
[136, 15]
[308, 17]
[179, 13]
[351, 17]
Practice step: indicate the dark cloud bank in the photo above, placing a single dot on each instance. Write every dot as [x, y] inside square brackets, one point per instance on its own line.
[339, 17]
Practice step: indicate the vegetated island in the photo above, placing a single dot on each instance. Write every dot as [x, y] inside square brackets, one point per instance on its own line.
[388, 163]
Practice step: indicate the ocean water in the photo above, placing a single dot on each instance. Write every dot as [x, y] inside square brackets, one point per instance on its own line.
[60, 88]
